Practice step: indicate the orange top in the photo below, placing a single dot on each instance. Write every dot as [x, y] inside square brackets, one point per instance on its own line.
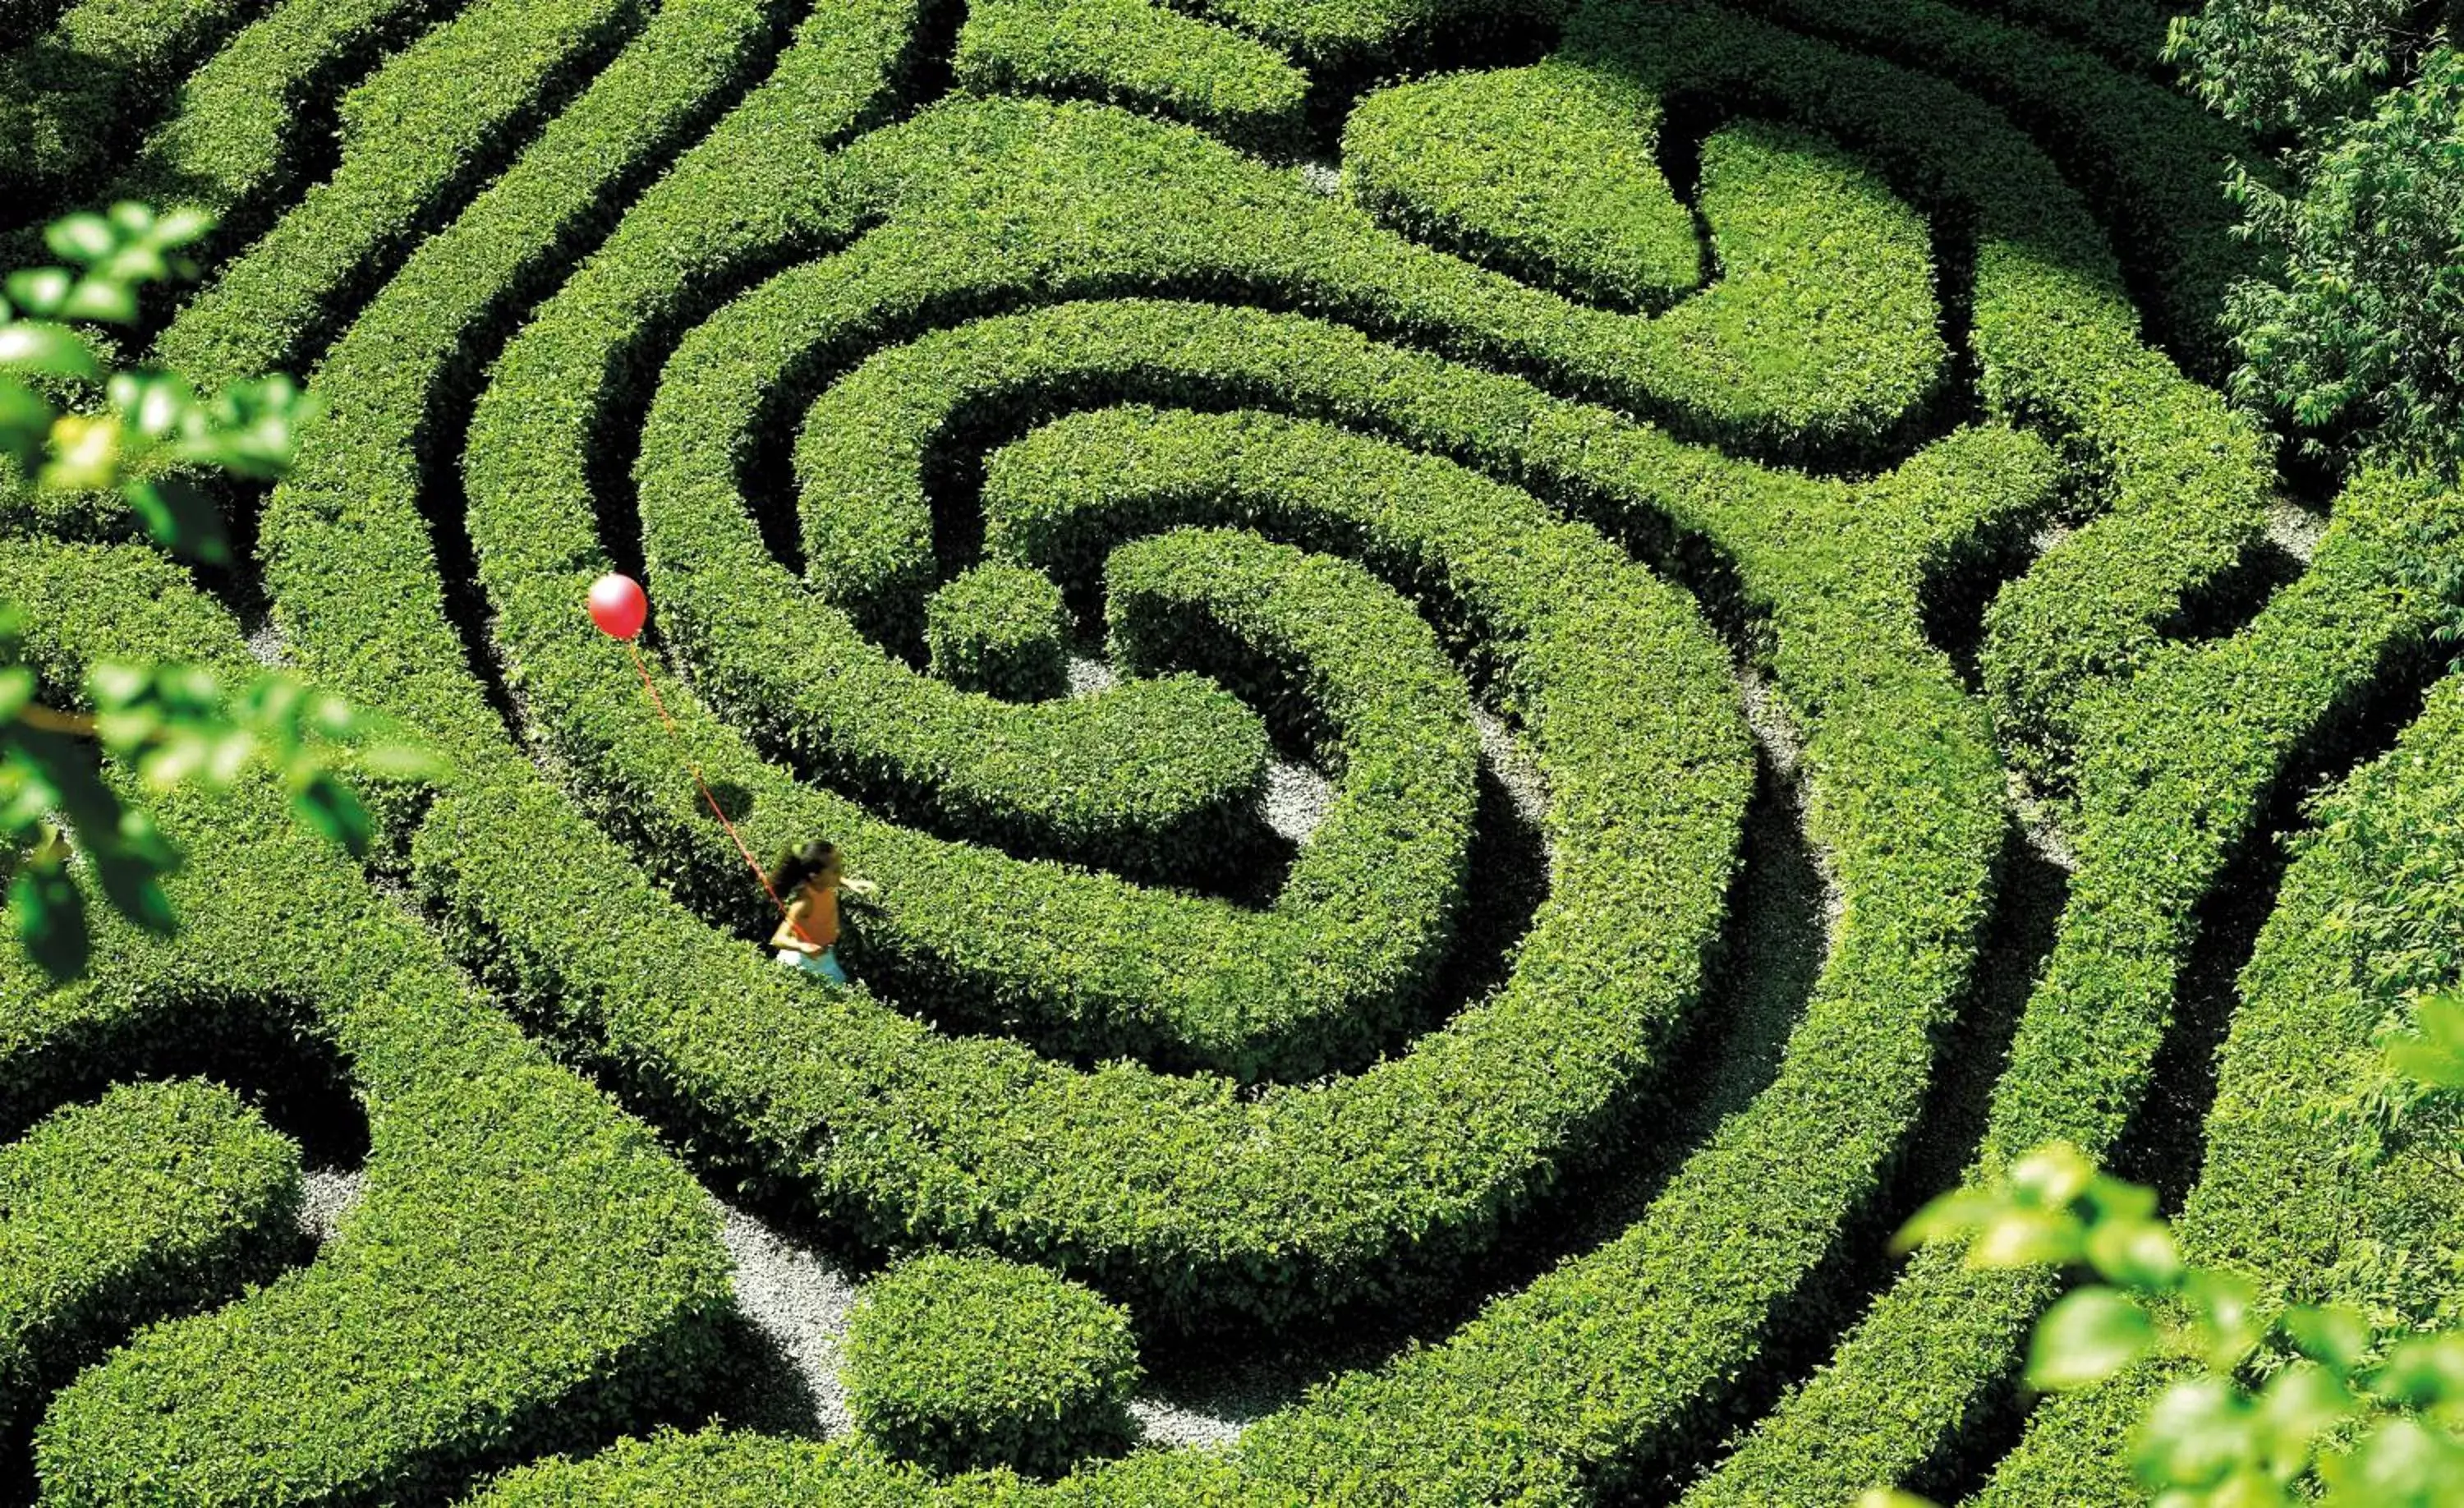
[812, 920]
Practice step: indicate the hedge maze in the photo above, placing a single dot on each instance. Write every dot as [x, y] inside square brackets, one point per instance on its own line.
[1511, 673]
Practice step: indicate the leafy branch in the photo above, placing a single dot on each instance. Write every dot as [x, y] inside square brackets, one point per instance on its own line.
[2353, 1417]
[170, 725]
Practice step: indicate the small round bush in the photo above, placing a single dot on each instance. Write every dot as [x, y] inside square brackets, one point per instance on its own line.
[962, 1363]
[998, 629]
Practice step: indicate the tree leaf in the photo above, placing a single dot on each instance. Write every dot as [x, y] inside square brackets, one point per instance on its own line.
[53, 349]
[2087, 1337]
[179, 517]
[132, 883]
[182, 225]
[328, 807]
[2401, 1464]
[2196, 1435]
[51, 920]
[40, 291]
[2335, 1336]
[25, 422]
[85, 453]
[2224, 1315]
[2301, 1402]
[2136, 1253]
[1956, 1213]
[107, 300]
[2424, 1372]
[81, 237]
[2022, 1237]
[398, 761]
[2053, 1176]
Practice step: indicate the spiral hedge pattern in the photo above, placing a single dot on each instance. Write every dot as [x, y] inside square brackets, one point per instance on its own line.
[1620, 455]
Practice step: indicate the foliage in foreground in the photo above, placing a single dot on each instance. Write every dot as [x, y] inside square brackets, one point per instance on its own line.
[2353, 332]
[170, 724]
[2307, 1403]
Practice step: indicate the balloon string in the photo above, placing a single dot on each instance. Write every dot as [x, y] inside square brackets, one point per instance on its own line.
[676, 736]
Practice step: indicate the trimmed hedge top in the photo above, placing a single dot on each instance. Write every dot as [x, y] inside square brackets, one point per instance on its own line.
[961, 1363]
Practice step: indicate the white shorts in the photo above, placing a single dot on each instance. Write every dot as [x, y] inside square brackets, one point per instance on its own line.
[825, 963]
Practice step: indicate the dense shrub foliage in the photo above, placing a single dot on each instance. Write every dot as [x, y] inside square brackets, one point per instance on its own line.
[967, 1361]
[1508, 675]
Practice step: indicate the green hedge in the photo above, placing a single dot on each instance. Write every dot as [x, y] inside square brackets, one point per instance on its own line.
[1341, 665]
[2365, 919]
[527, 1269]
[2129, 33]
[1914, 919]
[359, 477]
[1477, 1389]
[1543, 173]
[1235, 1207]
[719, 1470]
[2176, 774]
[1910, 949]
[1139, 54]
[74, 92]
[909, 1134]
[432, 123]
[1847, 349]
[235, 145]
[959, 763]
[2149, 160]
[666, 991]
[1344, 38]
[2182, 481]
[155, 1199]
[1000, 630]
[1151, 777]
[961, 1363]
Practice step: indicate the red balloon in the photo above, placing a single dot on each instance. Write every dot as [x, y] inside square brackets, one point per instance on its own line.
[618, 606]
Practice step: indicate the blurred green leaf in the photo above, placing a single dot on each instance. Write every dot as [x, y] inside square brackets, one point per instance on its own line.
[182, 225]
[155, 405]
[96, 298]
[2198, 1433]
[51, 920]
[2435, 1056]
[2029, 1237]
[2135, 1253]
[40, 291]
[2424, 1372]
[179, 515]
[2401, 1464]
[328, 807]
[2337, 1337]
[53, 350]
[2301, 1403]
[2224, 1317]
[1959, 1212]
[400, 761]
[85, 454]
[81, 237]
[2087, 1337]
[132, 882]
[2053, 1176]
[25, 422]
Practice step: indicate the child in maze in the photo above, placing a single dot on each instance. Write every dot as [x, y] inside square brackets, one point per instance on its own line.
[809, 879]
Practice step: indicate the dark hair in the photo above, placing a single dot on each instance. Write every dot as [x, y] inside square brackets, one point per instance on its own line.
[796, 865]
